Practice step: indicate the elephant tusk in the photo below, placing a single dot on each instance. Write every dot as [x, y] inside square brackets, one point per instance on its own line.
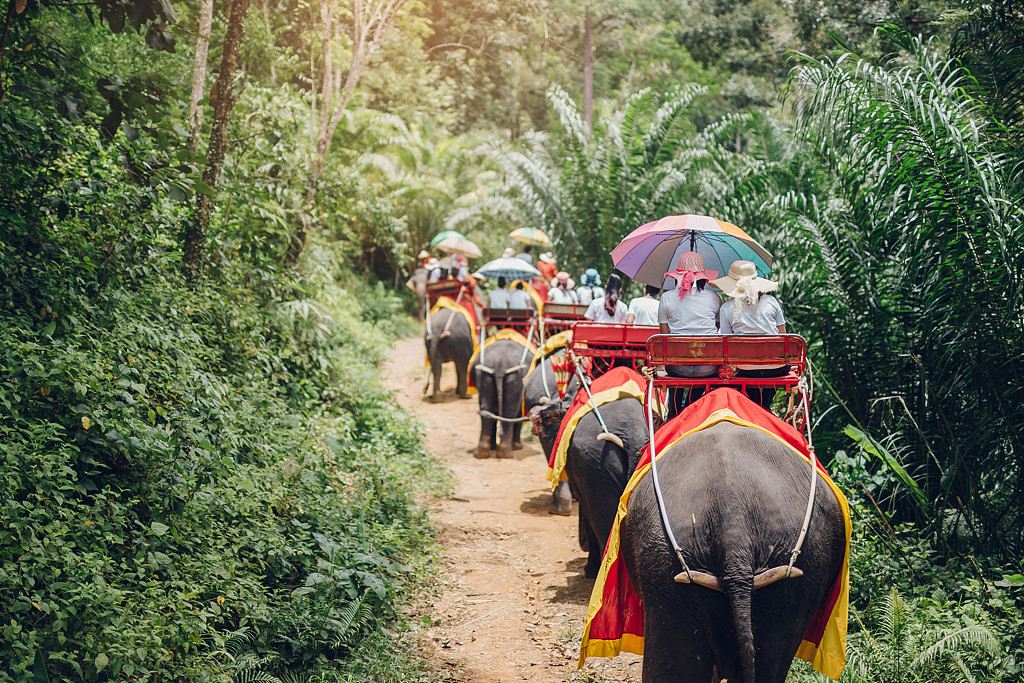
[701, 579]
[761, 579]
[774, 574]
[446, 334]
[544, 399]
[614, 438]
[484, 368]
[516, 368]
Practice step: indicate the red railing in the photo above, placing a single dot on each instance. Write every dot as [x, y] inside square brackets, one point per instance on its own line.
[730, 353]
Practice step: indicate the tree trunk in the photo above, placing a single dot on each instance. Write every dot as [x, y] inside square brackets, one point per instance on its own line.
[371, 23]
[588, 71]
[195, 112]
[223, 99]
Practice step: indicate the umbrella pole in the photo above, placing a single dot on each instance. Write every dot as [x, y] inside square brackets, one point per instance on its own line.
[693, 239]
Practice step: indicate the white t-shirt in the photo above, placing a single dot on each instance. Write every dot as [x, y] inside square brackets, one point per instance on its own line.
[597, 313]
[695, 313]
[644, 310]
[763, 319]
[558, 295]
[586, 294]
[518, 298]
[525, 257]
[499, 298]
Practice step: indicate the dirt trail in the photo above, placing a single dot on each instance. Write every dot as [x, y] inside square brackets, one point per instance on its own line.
[513, 605]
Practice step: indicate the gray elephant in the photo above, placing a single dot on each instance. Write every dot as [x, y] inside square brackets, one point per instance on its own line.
[541, 389]
[736, 499]
[499, 384]
[449, 342]
[597, 469]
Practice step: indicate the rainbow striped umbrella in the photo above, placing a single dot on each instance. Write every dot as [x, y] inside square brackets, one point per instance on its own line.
[652, 250]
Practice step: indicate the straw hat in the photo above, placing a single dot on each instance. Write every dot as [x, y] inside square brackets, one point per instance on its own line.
[508, 253]
[547, 257]
[424, 254]
[743, 283]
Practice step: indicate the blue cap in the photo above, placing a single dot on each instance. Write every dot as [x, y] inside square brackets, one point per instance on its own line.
[591, 276]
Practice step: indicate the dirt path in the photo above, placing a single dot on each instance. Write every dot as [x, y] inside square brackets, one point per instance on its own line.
[513, 605]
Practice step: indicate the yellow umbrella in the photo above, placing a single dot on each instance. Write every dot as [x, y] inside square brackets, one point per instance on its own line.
[534, 236]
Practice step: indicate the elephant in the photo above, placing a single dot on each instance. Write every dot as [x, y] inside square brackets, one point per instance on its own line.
[449, 342]
[597, 470]
[736, 499]
[540, 390]
[499, 384]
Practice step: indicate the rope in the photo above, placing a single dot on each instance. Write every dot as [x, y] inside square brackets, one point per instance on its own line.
[451, 316]
[805, 390]
[488, 414]
[657, 484]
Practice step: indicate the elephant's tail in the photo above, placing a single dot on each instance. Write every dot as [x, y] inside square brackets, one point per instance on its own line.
[739, 587]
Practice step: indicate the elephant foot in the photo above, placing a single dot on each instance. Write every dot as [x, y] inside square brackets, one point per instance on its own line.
[504, 451]
[464, 396]
[482, 453]
[517, 445]
[561, 501]
[553, 509]
[436, 398]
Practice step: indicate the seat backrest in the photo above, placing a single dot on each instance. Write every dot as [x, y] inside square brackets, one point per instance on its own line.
[608, 339]
[564, 311]
[450, 288]
[767, 350]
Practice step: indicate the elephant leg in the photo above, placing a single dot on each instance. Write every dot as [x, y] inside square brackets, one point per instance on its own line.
[561, 500]
[486, 443]
[581, 533]
[462, 379]
[517, 440]
[673, 651]
[505, 445]
[435, 370]
[595, 549]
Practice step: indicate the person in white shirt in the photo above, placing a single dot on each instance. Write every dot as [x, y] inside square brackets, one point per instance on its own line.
[499, 298]
[690, 309]
[750, 310]
[561, 291]
[590, 287]
[433, 267]
[525, 255]
[608, 308]
[520, 298]
[643, 310]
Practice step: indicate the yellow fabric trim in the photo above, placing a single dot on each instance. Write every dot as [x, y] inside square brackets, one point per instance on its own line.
[829, 659]
[505, 333]
[628, 390]
[551, 344]
[538, 302]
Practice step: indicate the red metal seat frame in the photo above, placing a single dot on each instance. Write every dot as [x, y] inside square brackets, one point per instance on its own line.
[449, 288]
[560, 317]
[728, 351]
[518, 319]
[610, 342]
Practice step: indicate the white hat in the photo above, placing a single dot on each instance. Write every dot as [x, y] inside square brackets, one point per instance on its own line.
[547, 257]
[508, 253]
[424, 254]
[743, 284]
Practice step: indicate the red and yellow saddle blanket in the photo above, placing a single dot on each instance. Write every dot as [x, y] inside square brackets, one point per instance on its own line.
[617, 383]
[505, 333]
[615, 618]
[466, 308]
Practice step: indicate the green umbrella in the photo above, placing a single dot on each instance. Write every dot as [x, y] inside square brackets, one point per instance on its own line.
[445, 234]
